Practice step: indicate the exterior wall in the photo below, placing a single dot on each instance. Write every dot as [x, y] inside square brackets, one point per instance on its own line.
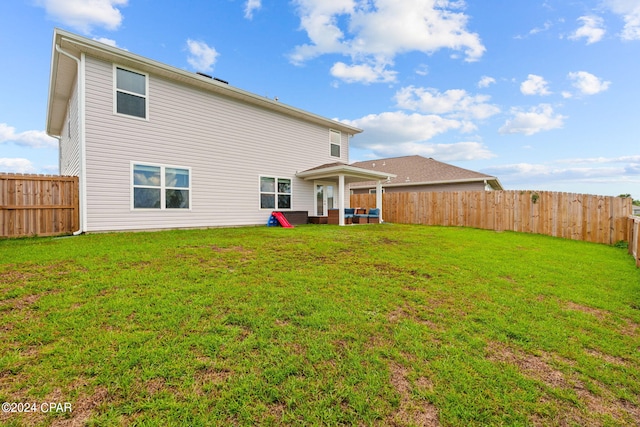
[227, 144]
[468, 186]
[70, 139]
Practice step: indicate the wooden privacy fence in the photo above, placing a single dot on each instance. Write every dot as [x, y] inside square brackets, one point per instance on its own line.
[634, 237]
[43, 205]
[597, 219]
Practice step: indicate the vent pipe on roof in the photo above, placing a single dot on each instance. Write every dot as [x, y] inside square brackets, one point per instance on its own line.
[211, 77]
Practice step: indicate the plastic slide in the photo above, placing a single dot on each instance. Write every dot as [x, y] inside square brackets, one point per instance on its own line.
[281, 219]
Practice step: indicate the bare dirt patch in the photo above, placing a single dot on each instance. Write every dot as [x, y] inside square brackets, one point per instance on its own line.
[409, 313]
[630, 328]
[410, 411]
[531, 365]
[613, 360]
[83, 408]
[593, 405]
[20, 303]
[600, 314]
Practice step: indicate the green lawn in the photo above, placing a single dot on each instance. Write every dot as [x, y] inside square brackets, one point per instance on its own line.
[320, 325]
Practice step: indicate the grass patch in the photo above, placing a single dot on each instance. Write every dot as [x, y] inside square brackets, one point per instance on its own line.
[320, 325]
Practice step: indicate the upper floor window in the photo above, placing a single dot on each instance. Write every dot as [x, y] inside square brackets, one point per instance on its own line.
[335, 138]
[131, 93]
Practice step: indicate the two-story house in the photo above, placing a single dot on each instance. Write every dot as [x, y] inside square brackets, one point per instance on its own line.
[156, 147]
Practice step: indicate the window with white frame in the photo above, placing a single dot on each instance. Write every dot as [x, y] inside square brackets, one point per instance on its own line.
[160, 187]
[335, 137]
[275, 193]
[130, 93]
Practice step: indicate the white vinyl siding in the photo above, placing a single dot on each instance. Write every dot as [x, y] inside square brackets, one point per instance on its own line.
[69, 160]
[223, 142]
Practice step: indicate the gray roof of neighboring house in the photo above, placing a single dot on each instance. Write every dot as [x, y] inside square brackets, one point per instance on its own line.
[418, 170]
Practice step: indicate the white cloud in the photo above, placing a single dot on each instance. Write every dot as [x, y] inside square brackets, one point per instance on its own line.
[29, 138]
[201, 56]
[534, 85]
[630, 12]
[376, 31]
[444, 152]
[592, 29]
[542, 29]
[422, 70]
[16, 165]
[537, 119]
[486, 81]
[635, 159]
[106, 41]
[455, 103]
[83, 15]
[392, 128]
[587, 83]
[621, 171]
[363, 73]
[251, 6]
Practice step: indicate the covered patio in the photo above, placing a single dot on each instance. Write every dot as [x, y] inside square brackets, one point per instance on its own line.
[340, 175]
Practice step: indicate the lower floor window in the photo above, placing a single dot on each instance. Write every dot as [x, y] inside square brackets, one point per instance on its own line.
[275, 193]
[160, 187]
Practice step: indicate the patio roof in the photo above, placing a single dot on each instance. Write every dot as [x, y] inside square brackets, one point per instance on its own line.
[351, 174]
[344, 174]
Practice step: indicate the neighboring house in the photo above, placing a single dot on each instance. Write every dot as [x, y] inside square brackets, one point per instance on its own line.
[417, 173]
[158, 147]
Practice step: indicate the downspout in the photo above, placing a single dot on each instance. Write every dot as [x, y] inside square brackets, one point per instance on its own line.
[81, 125]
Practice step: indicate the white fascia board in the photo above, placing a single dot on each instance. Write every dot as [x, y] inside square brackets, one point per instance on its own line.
[344, 170]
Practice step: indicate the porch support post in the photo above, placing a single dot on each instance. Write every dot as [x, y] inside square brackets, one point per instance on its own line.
[379, 197]
[341, 199]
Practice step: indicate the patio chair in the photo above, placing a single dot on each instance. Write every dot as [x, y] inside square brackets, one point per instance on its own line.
[374, 216]
[360, 217]
[348, 215]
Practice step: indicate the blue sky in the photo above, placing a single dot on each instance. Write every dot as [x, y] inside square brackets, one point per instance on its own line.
[543, 94]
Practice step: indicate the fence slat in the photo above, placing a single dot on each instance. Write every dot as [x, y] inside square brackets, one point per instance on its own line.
[43, 205]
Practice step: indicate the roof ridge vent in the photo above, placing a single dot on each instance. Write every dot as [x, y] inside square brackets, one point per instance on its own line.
[204, 75]
[220, 80]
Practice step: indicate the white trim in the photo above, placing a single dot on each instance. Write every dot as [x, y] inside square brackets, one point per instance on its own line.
[82, 113]
[341, 199]
[275, 193]
[116, 90]
[348, 171]
[163, 187]
[379, 191]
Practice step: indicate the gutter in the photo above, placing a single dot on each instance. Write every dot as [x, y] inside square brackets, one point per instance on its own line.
[81, 124]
